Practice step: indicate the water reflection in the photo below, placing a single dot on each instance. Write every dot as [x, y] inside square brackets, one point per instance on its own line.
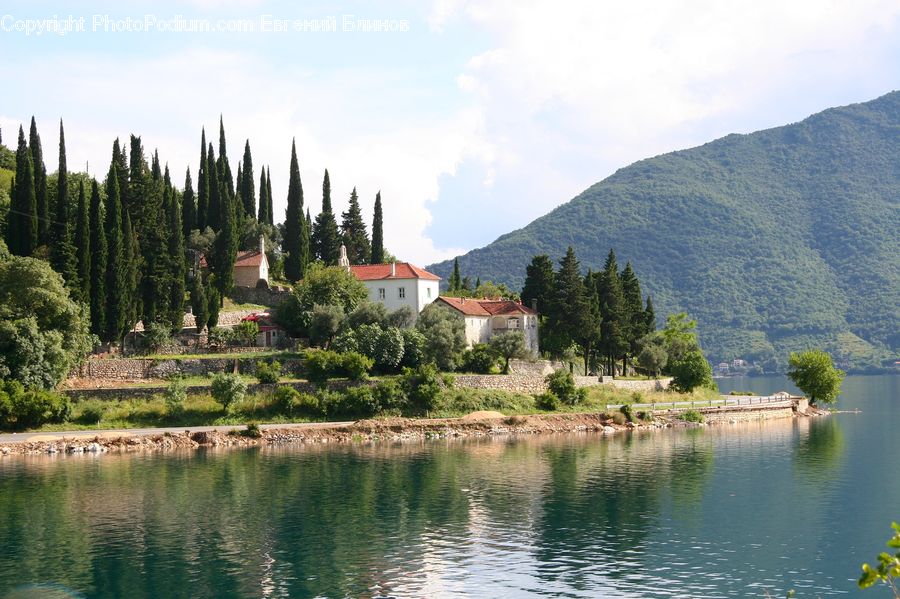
[713, 512]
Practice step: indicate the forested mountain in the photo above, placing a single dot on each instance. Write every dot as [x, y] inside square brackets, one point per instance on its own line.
[774, 241]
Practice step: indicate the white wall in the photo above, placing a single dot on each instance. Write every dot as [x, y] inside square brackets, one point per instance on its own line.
[392, 300]
[478, 329]
[427, 292]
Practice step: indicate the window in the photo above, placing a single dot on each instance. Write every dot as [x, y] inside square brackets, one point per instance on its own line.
[429, 292]
[512, 323]
[381, 293]
[402, 292]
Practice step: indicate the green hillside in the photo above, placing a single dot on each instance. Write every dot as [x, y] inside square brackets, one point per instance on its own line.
[776, 240]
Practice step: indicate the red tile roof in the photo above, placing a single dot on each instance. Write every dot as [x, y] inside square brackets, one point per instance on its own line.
[475, 307]
[404, 270]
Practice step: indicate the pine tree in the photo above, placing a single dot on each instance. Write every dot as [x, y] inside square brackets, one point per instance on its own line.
[199, 303]
[325, 237]
[539, 284]
[40, 183]
[225, 247]
[455, 282]
[139, 185]
[214, 302]
[353, 232]
[115, 282]
[614, 330]
[269, 210]
[22, 226]
[121, 162]
[296, 234]
[635, 319]
[573, 320]
[188, 207]
[151, 230]
[98, 263]
[237, 185]
[83, 246]
[248, 192]
[202, 186]
[178, 267]
[377, 232]
[62, 254]
[215, 200]
[262, 214]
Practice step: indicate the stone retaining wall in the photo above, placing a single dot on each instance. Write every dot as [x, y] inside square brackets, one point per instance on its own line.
[647, 386]
[148, 392]
[133, 369]
[265, 297]
[521, 383]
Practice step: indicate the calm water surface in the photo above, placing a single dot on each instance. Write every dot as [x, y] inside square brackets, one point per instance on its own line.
[720, 512]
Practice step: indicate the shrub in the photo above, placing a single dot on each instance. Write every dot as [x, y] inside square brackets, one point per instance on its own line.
[219, 337]
[175, 395]
[646, 416]
[637, 397]
[268, 372]
[627, 412]
[619, 418]
[480, 359]
[401, 318]
[389, 349]
[422, 386]
[510, 344]
[92, 412]
[330, 402]
[692, 416]
[413, 347]
[285, 399]
[157, 336]
[21, 409]
[445, 335]
[360, 401]
[228, 389]
[246, 332]
[548, 401]
[324, 323]
[367, 313]
[345, 342]
[253, 431]
[390, 396]
[562, 384]
[355, 366]
[322, 365]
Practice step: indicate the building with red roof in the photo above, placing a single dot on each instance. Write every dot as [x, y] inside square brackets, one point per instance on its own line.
[398, 284]
[485, 318]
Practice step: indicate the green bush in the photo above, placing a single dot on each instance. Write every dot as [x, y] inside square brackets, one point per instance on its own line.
[548, 401]
[246, 333]
[619, 418]
[219, 337]
[562, 384]
[413, 347]
[20, 409]
[422, 386]
[228, 389]
[355, 366]
[289, 401]
[252, 431]
[322, 365]
[474, 400]
[627, 412]
[646, 416]
[157, 336]
[359, 401]
[390, 397]
[480, 359]
[175, 395]
[92, 412]
[268, 372]
[692, 416]
[389, 349]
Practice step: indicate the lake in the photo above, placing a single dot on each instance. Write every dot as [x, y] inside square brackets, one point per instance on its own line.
[728, 511]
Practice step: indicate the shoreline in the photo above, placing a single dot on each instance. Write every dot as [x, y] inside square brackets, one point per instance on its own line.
[478, 424]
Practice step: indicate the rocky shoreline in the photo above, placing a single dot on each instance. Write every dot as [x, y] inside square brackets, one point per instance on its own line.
[479, 424]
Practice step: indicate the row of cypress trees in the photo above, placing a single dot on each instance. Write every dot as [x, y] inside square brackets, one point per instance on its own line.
[603, 312]
[306, 240]
[121, 244]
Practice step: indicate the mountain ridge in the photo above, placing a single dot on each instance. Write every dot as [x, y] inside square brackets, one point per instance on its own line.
[774, 240]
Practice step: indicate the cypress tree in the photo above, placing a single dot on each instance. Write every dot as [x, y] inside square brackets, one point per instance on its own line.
[98, 263]
[131, 258]
[225, 247]
[573, 320]
[83, 246]
[377, 232]
[40, 183]
[649, 316]
[214, 302]
[248, 192]
[353, 231]
[176, 257]
[325, 237]
[614, 330]
[151, 230]
[237, 185]
[121, 162]
[269, 209]
[224, 169]
[62, 254]
[215, 200]
[295, 231]
[455, 282]
[188, 207]
[139, 187]
[202, 186]
[22, 226]
[115, 282]
[263, 214]
[199, 303]
[539, 284]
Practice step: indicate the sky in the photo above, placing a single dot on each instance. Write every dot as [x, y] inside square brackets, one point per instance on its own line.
[471, 118]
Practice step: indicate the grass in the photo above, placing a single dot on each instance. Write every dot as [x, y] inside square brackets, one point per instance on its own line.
[283, 354]
[230, 306]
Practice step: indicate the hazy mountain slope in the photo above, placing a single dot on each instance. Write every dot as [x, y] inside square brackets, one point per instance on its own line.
[775, 240]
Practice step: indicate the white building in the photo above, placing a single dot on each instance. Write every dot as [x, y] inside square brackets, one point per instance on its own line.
[488, 317]
[250, 266]
[398, 284]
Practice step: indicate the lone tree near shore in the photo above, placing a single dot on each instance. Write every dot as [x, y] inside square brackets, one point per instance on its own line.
[815, 375]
